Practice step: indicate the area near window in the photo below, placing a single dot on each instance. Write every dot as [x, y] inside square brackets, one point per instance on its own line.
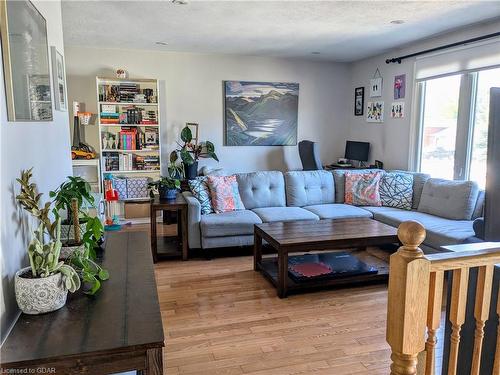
[453, 124]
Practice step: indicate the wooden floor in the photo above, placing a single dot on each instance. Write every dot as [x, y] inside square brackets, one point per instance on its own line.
[221, 317]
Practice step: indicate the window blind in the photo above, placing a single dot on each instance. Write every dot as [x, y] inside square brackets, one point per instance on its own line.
[478, 56]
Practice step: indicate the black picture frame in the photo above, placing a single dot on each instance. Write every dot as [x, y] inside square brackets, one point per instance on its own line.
[359, 101]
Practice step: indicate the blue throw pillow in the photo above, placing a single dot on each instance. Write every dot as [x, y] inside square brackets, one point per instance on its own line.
[396, 190]
[200, 190]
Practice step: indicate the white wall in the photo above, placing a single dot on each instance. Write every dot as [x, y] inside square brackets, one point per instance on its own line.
[42, 145]
[390, 140]
[193, 92]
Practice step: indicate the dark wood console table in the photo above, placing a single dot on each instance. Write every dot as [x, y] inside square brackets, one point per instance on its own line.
[120, 329]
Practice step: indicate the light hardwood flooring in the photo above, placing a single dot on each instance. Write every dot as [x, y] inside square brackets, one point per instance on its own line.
[221, 317]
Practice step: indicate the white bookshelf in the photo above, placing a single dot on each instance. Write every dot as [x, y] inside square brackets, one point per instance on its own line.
[121, 105]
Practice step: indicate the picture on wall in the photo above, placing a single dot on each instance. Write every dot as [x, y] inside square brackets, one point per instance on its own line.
[375, 87]
[260, 113]
[375, 112]
[399, 86]
[59, 79]
[25, 61]
[398, 110]
[359, 101]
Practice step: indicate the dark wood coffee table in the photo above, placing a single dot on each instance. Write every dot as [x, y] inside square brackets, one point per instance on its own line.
[324, 235]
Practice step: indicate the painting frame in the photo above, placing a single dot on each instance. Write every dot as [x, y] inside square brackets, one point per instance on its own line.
[260, 113]
[399, 86]
[37, 100]
[59, 80]
[375, 111]
[359, 101]
[398, 110]
[376, 87]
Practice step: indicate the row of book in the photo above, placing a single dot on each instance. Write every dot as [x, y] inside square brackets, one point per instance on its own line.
[126, 93]
[130, 162]
[131, 116]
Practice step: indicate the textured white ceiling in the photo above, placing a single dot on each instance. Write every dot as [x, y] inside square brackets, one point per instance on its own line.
[340, 31]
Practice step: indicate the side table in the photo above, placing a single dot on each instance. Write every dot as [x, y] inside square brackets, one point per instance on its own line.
[178, 205]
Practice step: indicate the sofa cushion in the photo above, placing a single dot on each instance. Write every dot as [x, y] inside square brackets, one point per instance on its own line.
[262, 189]
[337, 211]
[449, 199]
[224, 193]
[396, 190]
[339, 178]
[440, 231]
[419, 180]
[271, 214]
[232, 223]
[304, 188]
[363, 189]
[200, 190]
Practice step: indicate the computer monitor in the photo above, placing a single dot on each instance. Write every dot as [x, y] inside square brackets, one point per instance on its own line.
[357, 150]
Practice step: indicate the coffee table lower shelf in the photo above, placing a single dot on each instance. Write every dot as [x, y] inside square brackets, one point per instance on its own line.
[269, 269]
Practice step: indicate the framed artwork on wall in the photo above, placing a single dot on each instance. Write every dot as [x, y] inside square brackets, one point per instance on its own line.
[359, 101]
[399, 86]
[375, 87]
[375, 112]
[398, 110]
[260, 113]
[25, 61]
[58, 79]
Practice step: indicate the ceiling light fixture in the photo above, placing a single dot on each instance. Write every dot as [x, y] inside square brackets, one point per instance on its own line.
[162, 43]
[397, 22]
[179, 2]
[315, 53]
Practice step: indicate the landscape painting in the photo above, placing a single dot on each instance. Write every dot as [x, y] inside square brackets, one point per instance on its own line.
[261, 113]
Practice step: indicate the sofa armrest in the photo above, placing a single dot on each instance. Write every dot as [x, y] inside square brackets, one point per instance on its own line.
[194, 218]
[478, 226]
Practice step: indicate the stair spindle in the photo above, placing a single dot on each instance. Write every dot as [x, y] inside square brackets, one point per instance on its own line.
[433, 319]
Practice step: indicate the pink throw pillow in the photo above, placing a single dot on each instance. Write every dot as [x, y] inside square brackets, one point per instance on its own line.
[363, 189]
[224, 193]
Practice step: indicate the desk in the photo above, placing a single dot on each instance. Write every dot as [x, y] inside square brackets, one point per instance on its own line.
[119, 329]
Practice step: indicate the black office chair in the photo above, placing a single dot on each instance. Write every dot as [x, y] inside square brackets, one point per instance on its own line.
[309, 155]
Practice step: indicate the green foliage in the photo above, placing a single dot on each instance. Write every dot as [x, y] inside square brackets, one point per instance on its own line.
[89, 271]
[30, 201]
[189, 152]
[93, 234]
[166, 182]
[44, 258]
[75, 187]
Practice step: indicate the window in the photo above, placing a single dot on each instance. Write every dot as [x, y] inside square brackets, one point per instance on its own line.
[454, 125]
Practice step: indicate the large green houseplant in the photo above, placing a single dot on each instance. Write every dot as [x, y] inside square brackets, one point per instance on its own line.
[190, 153]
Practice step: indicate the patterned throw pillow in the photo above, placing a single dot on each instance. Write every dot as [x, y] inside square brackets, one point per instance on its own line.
[200, 190]
[396, 190]
[224, 193]
[362, 189]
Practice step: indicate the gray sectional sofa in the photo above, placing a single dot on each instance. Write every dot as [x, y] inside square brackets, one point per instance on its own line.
[447, 209]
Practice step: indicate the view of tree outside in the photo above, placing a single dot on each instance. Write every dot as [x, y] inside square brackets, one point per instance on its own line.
[440, 126]
[486, 80]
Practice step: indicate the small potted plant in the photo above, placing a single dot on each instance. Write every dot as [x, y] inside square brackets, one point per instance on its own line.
[167, 187]
[190, 153]
[73, 188]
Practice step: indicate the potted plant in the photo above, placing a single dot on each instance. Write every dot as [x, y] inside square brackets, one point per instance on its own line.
[81, 258]
[167, 187]
[190, 153]
[43, 286]
[74, 188]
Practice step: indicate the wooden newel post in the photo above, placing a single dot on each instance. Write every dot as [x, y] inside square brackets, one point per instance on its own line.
[408, 298]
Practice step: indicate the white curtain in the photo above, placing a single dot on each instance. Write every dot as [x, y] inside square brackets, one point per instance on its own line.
[481, 55]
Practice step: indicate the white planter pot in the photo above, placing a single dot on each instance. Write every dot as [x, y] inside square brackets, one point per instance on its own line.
[40, 295]
[68, 231]
[67, 251]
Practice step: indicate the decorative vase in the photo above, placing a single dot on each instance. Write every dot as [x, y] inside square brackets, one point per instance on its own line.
[168, 194]
[39, 295]
[68, 249]
[191, 170]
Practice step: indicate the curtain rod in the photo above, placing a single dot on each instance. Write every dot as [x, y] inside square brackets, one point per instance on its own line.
[463, 42]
